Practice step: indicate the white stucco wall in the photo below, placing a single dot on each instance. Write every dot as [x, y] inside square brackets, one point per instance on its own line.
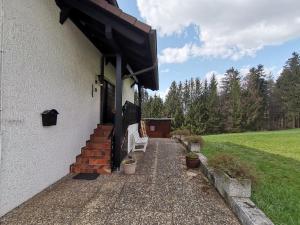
[1, 52]
[128, 91]
[45, 66]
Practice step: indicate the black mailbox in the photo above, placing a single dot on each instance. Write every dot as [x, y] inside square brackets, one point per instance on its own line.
[49, 117]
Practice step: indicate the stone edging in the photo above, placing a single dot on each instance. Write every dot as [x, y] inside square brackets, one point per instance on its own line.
[245, 210]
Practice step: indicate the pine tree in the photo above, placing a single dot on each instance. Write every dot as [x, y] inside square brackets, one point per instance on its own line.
[231, 101]
[173, 107]
[157, 107]
[255, 99]
[213, 103]
[288, 88]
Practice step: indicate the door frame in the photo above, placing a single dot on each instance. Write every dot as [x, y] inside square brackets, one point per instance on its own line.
[103, 98]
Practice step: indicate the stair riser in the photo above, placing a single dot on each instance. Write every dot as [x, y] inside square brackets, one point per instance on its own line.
[102, 132]
[87, 160]
[101, 146]
[105, 151]
[100, 139]
[99, 162]
[104, 127]
[95, 154]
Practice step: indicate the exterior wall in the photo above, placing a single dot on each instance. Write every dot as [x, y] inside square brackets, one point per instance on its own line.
[128, 91]
[1, 52]
[45, 66]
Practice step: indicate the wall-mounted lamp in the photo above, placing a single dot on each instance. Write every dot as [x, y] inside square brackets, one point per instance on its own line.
[101, 79]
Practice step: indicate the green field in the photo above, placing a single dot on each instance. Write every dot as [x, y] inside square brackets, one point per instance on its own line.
[276, 157]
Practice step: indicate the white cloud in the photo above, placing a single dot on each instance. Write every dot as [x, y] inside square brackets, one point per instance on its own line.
[175, 55]
[273, 70]
[227, 29]
[160, 93]
[219, 76]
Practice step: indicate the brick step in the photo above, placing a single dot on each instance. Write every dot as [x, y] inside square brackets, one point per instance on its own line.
[100, 130]
[93, 160]
[91, 152]
[99, 162]
[94, 138]
[100, 169]
[101, 135]
[105, 127]
[99, 145]
[95, 157]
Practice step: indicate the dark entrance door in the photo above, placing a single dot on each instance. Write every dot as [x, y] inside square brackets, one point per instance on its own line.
[109, 103]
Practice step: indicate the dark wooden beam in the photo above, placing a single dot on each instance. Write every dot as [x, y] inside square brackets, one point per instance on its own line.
[118, 115]
[140, 105]
[110, 38]
[89, 8]
[103, 49]
[64, 15]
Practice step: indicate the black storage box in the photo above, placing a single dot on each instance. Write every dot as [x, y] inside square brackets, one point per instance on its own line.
[49, 117]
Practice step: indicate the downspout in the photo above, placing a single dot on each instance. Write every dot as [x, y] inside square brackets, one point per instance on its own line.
[1, 69]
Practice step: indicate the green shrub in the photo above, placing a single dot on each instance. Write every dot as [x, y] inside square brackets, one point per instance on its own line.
[183, 132]
[195, 139]
[232, 166]
[192, 155]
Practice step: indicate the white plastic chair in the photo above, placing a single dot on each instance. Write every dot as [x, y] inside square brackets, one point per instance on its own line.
[139, 141]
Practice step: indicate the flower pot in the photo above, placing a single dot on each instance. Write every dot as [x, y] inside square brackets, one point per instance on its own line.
[194, 147]
[192, 163]
[231, 187]
[129, 167]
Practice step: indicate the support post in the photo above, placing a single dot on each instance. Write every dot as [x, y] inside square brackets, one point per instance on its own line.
[118, 116]
[140, 101]
[102, 92]
[140, 105]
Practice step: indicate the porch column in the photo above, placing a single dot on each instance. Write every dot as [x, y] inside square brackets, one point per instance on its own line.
[140, 105]
[118, 115]
[102, 90]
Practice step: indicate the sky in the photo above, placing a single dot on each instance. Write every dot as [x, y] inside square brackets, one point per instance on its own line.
[198, 38]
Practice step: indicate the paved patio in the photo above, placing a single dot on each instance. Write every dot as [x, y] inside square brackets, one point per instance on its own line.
[162, 192]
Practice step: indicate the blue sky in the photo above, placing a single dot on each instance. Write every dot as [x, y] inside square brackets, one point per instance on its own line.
[271, 48]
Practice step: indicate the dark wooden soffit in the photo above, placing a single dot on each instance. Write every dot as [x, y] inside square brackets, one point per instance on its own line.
[113, 2]
[113, 31]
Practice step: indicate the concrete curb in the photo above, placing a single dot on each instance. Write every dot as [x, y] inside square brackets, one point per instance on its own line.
[245, 210]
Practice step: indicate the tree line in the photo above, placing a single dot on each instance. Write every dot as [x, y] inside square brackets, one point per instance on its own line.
[253, 102]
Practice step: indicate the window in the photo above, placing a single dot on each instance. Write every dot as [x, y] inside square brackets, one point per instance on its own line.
[152, 128]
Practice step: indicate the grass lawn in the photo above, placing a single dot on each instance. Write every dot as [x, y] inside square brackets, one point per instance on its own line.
[276, 157]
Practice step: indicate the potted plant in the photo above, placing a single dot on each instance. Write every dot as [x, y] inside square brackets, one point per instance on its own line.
[129, 166]
[232, 177]
[192, 160]
[195, 143]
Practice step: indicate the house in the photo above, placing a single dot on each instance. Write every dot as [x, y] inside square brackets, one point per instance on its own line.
[82, 58]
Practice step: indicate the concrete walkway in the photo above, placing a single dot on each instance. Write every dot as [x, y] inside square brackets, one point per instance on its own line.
[162, 192]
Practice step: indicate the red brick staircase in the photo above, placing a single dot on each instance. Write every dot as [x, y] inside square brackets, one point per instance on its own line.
[95, 157]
